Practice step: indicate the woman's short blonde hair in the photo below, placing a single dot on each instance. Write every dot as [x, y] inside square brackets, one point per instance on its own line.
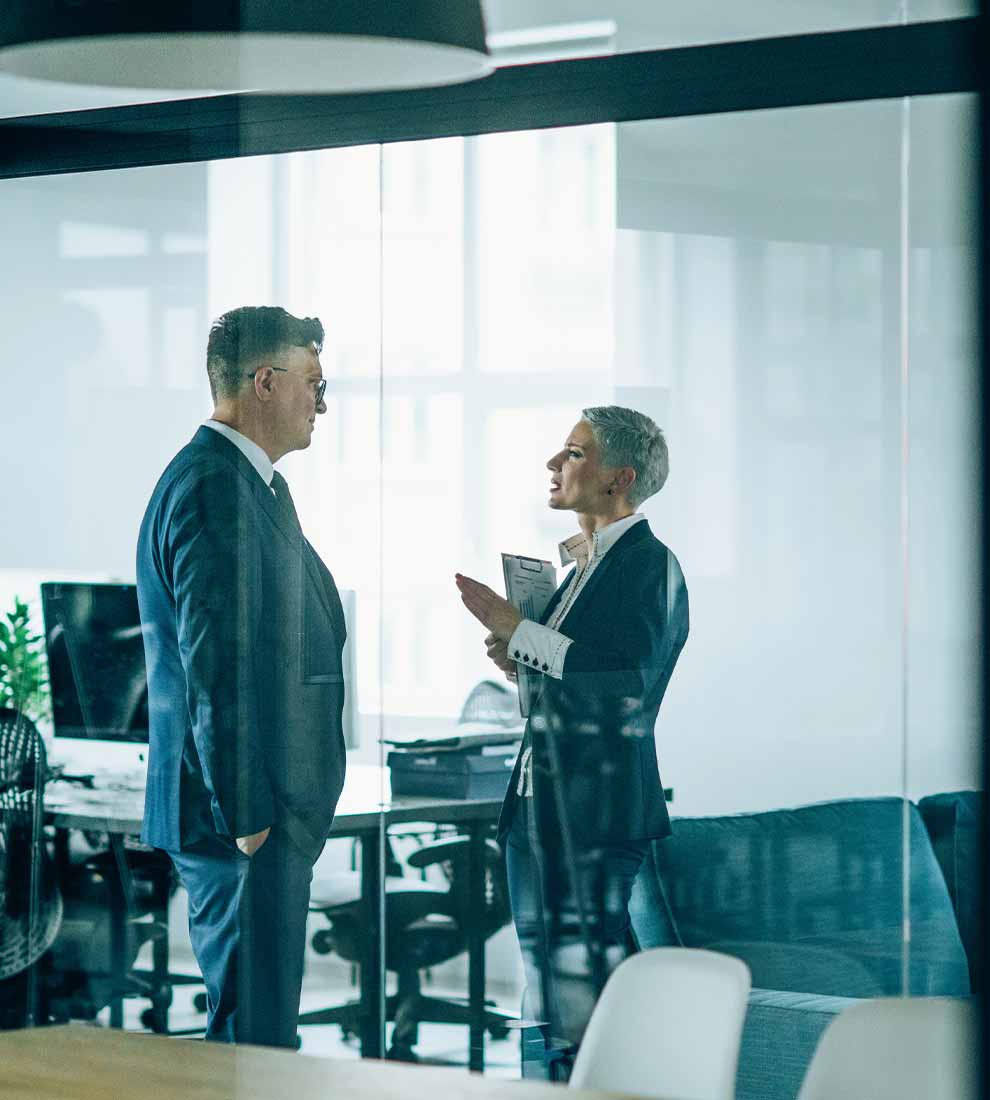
[629, 438]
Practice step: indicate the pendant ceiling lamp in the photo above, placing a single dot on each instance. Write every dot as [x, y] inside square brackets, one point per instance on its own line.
[245, 45]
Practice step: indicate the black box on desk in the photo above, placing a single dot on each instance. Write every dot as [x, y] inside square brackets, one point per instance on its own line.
[457, 773]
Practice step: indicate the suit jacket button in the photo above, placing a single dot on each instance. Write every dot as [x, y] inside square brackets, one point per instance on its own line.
[525, 656]
[517, 653]
[545, 666]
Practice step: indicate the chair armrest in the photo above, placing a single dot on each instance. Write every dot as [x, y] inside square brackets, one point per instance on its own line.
[440, 851]
[342, 890]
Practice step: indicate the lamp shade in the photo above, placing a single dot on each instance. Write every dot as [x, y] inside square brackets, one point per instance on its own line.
[245, 45]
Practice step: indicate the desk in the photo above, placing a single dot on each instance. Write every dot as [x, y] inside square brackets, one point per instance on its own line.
[365, 810]
[86, 1063]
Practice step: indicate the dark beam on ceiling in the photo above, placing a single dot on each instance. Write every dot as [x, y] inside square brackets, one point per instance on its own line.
[844, 66]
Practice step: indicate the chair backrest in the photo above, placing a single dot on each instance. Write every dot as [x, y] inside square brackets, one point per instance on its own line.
[668, 1023]
[453, 856]
[491, 702]
[898, 1048]
[30, 902]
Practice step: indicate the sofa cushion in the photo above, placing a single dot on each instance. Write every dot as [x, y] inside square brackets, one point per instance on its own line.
[779, 1038]
[954, 822]
[811, 899]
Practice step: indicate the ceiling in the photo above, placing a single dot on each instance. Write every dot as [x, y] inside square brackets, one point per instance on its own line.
[636, 25]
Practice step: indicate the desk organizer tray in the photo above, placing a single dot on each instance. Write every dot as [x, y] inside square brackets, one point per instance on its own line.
[458, 774]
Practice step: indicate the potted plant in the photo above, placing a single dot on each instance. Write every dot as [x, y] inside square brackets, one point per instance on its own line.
[23, 666]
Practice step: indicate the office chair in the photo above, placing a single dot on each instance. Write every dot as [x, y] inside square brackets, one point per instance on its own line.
[491, 703]
[425, 924]
[138, 882]
[668, 1023]
[898, 1048]
[30, 900]
[54, 919]
[115, 899]
[89, 976]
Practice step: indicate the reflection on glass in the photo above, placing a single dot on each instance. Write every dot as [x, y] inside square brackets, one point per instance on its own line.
[747, 297]
[795, 844]
[131, 267]
[739, 280]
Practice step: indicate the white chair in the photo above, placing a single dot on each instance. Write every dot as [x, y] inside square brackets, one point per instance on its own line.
[667, 1025]
[898, 1048]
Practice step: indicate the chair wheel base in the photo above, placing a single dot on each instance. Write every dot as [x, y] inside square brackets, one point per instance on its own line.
[155, 1019]
[322, 942]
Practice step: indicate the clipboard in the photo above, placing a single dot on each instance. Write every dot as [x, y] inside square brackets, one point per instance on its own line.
[529, 586]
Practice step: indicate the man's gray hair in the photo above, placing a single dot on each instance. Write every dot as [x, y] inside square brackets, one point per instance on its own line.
[629, 438]
[244, 337]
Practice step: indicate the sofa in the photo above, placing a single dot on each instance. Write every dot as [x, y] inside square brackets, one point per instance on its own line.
[812, 899]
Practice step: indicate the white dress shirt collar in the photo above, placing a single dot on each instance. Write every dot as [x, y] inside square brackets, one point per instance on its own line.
[576, 547]
[251, 451]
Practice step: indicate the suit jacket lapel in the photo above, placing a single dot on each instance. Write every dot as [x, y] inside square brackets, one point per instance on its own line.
[266, 500]
[328, 587]
[298, 540]
[557, 597]
[611, 561]
[610, 565]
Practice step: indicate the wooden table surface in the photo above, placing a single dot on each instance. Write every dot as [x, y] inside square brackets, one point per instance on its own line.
[79, 1062]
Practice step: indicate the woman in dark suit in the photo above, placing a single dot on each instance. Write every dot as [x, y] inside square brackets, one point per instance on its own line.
[585, 797]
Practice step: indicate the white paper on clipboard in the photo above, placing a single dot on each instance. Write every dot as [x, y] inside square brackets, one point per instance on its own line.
[529, 585]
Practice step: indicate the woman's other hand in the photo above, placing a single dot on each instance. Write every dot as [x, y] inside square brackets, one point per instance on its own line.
[498, 651]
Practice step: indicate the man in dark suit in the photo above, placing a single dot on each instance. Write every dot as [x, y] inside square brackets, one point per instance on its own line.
[585, 798]
[243, 632]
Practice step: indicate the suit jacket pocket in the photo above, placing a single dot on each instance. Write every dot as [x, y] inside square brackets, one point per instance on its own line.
[321, 647]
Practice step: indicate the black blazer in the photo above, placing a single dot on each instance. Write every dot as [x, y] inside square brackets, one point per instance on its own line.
[592, 732]
[243, 632]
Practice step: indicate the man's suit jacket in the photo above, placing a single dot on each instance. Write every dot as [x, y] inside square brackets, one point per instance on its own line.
[243, 632]
[592, 731]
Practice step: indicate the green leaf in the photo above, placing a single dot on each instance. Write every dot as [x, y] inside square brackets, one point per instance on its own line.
[23, 664]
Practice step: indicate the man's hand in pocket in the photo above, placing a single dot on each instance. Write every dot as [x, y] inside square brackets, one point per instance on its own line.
[250, 844]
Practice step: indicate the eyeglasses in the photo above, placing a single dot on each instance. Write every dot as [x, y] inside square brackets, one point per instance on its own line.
[321, 386]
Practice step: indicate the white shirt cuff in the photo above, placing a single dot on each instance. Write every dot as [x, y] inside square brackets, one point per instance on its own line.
[539, 648]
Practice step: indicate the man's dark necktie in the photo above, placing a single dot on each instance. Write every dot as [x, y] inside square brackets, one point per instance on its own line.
[284, 497]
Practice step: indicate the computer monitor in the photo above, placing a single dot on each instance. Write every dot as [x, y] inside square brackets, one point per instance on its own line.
[96, 661]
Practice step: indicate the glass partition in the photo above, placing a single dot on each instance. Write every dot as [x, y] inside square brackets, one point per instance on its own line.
[777, 263]
[749, 282]
[790, 297]
[112, 282]
[943, 742]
